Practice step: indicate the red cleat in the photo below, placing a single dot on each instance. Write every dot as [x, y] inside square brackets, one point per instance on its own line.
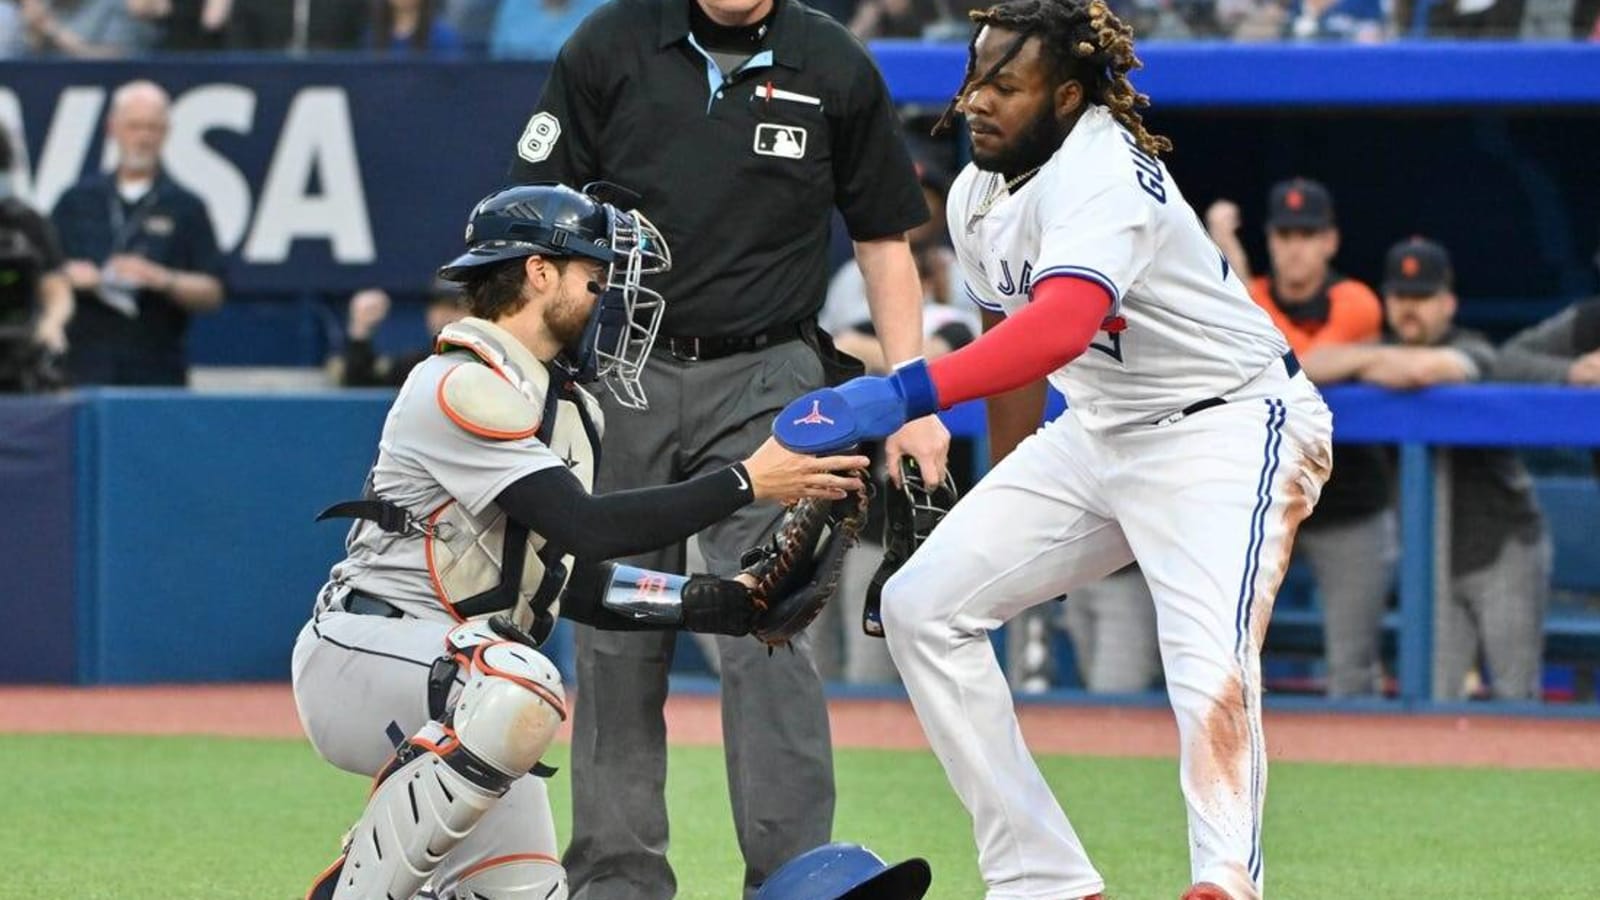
[1206, 891]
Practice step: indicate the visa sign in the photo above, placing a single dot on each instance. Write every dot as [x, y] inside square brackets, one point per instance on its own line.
[311, 189]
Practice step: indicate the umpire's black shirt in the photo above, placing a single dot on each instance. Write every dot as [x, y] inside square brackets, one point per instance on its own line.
[741, 171]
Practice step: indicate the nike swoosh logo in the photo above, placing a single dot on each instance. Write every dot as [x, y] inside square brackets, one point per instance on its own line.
[743, 485]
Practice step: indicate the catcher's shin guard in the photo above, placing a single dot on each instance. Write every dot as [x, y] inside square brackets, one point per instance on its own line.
[526, 876]
[443, 780]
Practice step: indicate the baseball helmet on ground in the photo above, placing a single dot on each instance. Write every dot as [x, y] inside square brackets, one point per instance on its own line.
[844, 871]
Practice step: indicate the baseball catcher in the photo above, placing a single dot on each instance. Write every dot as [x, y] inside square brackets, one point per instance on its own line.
[476, 529]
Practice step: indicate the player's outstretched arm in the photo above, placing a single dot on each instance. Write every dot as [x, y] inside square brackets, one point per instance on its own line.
[1051, 331]
[553, 503]
[783, 586]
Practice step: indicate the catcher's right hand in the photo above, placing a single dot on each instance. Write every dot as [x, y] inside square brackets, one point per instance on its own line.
[796, 574]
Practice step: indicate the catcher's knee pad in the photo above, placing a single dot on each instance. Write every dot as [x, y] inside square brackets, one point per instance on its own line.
[443, 780]
[526, 876]
[511, 707]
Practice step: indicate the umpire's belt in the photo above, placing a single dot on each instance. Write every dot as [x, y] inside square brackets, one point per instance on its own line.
[691, 349]
[368, 605]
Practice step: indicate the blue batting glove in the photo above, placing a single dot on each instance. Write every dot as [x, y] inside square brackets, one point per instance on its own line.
[873, 406]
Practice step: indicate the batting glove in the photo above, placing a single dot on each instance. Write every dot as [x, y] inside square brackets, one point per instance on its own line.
[872, 406]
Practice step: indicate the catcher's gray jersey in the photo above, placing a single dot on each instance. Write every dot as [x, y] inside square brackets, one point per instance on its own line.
[466, 425]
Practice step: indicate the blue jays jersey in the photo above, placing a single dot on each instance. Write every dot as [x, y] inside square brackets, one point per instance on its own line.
[1182, 327]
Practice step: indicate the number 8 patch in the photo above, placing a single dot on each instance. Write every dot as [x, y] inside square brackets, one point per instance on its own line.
[539, 137]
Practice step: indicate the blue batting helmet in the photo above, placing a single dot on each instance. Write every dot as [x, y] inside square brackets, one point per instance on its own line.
[842, 871]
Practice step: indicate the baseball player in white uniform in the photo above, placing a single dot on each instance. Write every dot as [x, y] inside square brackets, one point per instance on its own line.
[420, 664]
[1192, 444]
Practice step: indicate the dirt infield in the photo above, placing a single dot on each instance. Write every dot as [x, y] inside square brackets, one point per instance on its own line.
[1479, 740]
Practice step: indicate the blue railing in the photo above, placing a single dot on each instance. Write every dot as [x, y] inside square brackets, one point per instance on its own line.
[168, 536]
[1244, 76]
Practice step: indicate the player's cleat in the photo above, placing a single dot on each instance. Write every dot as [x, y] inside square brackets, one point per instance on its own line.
[861, 409]
[1206, 891]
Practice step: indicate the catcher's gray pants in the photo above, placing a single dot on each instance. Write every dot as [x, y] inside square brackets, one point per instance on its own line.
[1353, 564]
[702, 415]
[1497, 610]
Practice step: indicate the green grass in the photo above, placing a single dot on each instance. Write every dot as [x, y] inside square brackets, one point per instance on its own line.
[174, 818]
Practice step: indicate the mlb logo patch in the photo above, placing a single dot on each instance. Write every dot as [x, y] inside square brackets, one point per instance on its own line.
[781, 141]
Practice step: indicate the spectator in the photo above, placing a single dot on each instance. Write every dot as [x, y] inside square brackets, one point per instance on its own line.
[35, 299]
[186, 25]
[301, 25]
[892, 18]
[1563, 349]
[473, 20]
[141, 254]
[404, 27]
[536, 29]
[1252, 20]
[947, 324]
[1350, 541]
[1361, 21]
[13, 30]
[88, 29]
[1499, 552]
[1492, 19]
[361, 365]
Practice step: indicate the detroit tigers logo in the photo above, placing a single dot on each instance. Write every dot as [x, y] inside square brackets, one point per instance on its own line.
[815, 417]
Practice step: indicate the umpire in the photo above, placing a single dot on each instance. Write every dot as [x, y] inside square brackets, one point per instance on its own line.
[742, 124]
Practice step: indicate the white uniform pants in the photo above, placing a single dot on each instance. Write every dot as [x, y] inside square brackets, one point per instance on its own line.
[1208, 506]
[353, 676]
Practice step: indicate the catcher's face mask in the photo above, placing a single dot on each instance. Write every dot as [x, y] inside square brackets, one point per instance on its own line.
[623, 326]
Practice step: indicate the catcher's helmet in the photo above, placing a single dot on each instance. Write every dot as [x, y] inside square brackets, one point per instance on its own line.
[843, 871]
[555, 221]
[545, 219]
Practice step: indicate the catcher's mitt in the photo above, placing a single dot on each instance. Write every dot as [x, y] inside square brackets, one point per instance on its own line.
[910, 516]
[797, 572]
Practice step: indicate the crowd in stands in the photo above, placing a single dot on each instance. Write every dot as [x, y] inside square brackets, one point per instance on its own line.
[535, 29]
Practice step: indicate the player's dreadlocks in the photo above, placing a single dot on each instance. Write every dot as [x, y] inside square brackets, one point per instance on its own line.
[1087, 42]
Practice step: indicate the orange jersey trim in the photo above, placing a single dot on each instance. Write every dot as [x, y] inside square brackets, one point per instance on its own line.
[433, 570]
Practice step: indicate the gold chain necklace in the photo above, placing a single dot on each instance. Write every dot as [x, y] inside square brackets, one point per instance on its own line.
[997, 190]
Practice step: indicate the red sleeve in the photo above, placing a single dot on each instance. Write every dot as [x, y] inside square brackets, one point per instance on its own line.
[1055, 328]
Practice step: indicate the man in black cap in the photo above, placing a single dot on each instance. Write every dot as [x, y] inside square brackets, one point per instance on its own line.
[1499, 551]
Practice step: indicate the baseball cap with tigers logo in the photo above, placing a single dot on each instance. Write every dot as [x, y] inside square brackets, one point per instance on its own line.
[1417, 267]
[1299, 204]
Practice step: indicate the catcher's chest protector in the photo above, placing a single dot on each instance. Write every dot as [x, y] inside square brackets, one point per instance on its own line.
[466, 555]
